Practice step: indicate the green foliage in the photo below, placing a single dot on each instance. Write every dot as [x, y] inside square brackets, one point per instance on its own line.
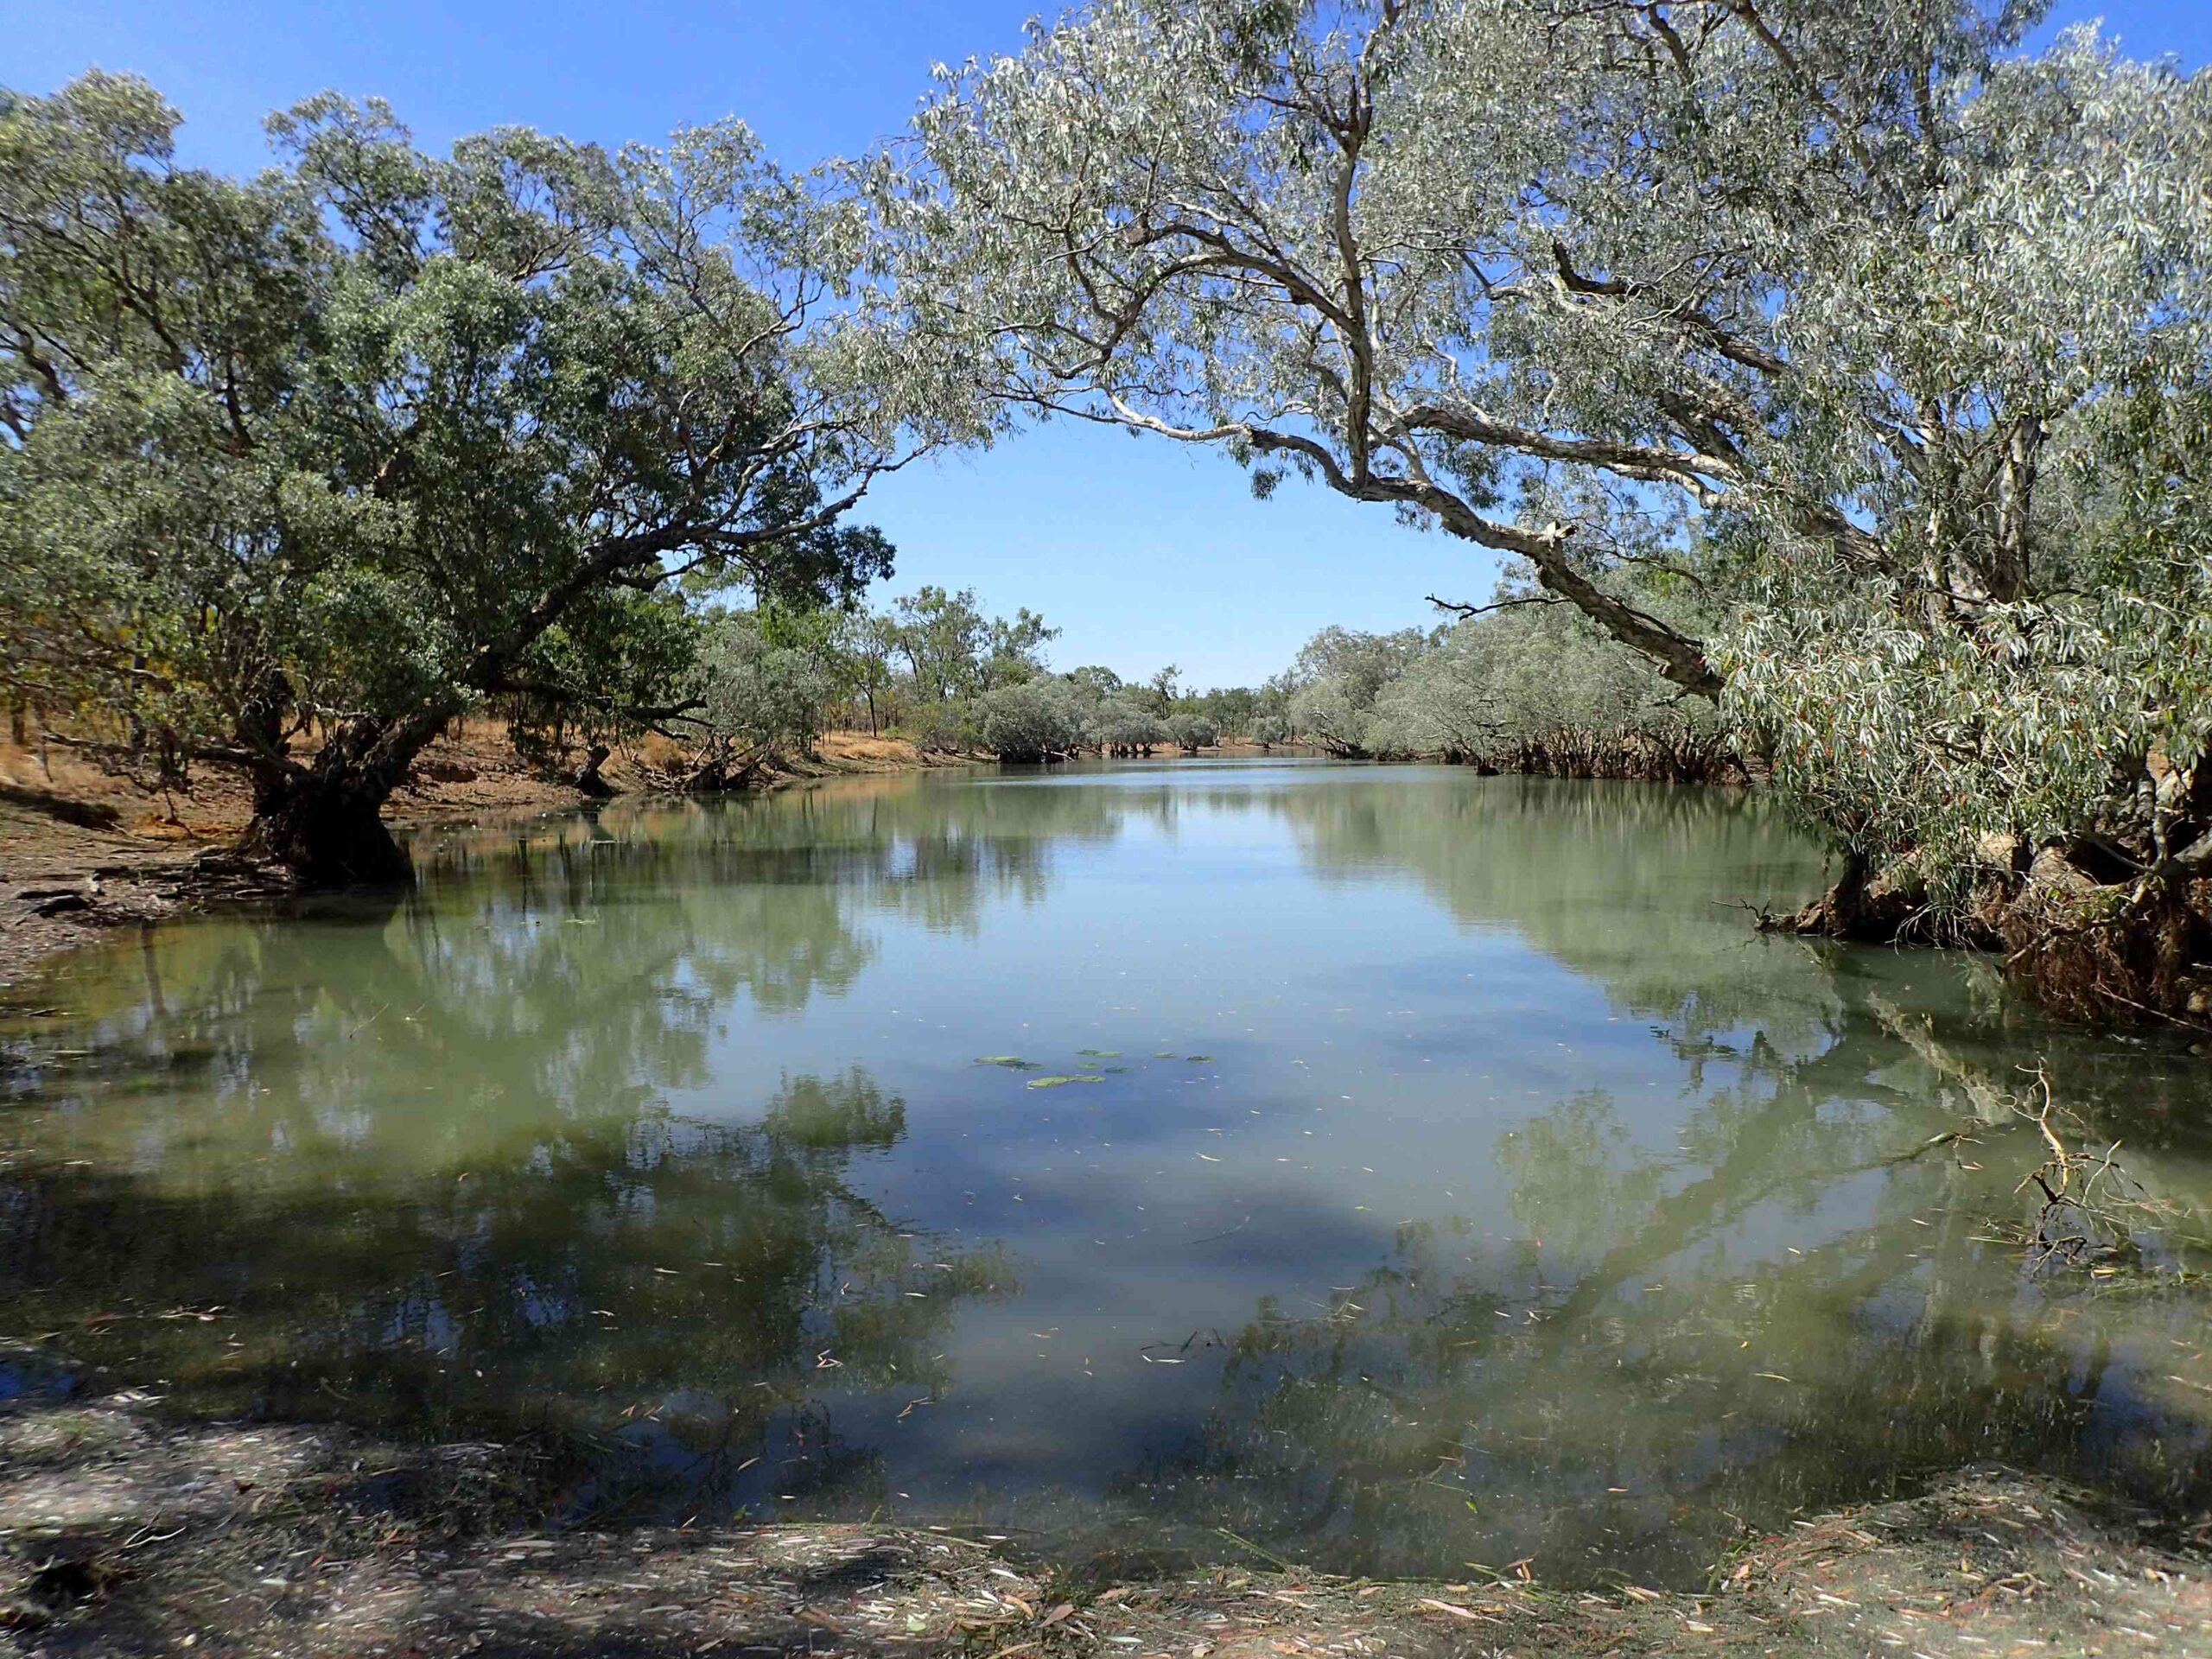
[953, 650]
[1095, 683]
[1193, 732]
[1123, 725]
[1806, 350]
[1033, 720]
[2086, 706]
[353, 446]
[931, 661]
[763, 682]
[1342, 676]
[944, 726]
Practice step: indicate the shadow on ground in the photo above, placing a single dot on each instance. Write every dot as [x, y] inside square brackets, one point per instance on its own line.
[125, 1534]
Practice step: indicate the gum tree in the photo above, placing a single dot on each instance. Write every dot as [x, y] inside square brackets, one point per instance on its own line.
[1824, 312]
[1836, 273]
[299, 468]
[1034, 719]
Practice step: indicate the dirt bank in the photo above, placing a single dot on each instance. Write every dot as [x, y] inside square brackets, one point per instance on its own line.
[83, 851]
[122, 1534]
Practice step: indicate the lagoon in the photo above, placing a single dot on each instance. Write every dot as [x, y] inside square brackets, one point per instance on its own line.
[1385, 1169]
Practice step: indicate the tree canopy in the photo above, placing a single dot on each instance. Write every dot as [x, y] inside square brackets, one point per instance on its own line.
[347, 448]
[1827, 278]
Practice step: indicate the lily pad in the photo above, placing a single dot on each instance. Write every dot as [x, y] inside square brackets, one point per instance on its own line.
[1199, 1059]
[1101, 1053]
[1011, 1062]
[1054, 1082]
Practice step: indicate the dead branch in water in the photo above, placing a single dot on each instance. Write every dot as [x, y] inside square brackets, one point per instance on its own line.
[2077, 1224]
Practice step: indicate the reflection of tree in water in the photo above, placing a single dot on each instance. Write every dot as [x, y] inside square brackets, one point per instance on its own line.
[1625, 884]
[907, 847]
[1639, 888]
[400, 1150]
[423, 1159]
[1698, 1343]
[704, 1293]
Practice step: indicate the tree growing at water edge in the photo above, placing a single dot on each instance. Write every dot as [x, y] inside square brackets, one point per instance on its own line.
[1841, 318]
[299, 468]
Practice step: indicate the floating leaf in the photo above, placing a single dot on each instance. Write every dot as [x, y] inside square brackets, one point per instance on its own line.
[1011, 1062]
[1197, 1059]
[1101, 1054]
[1054, 1082]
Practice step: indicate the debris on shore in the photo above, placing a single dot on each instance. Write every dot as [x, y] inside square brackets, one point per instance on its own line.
[122, 1533]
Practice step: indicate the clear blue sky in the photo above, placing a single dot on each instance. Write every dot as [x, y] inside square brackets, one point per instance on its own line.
[1144, 552]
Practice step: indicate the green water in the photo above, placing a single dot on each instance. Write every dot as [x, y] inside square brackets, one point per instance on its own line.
[1449, 1173]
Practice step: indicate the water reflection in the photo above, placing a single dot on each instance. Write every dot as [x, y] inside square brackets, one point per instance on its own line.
[1628, 1376]
[1457, 1177]
[682, 1287]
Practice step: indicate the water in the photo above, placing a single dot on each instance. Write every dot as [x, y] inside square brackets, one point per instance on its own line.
[1452, 1174]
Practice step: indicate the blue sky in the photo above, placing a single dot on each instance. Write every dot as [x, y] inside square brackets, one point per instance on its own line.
[1142, 552]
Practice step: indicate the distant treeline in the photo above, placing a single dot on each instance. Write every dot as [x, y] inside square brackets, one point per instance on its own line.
[1524, 684]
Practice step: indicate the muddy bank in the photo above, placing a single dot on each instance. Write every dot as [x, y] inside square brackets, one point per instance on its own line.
[122, 1534]
[84, 852]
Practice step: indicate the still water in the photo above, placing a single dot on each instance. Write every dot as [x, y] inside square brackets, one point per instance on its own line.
[1393, 1168]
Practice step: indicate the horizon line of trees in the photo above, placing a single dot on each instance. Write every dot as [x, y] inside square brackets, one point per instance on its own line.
[1523, 683]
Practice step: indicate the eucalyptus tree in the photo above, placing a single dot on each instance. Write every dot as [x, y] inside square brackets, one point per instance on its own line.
[866, 643]
[1342, 676]
[954, 649]
[1830, 312]
[1528, 684]
[1095, 681]
[1446, 704]
[301, 468]
[943, 636]
[754, 691]
[1124, 725]
[1032, 719]
[1837, 272]
[1193, 732]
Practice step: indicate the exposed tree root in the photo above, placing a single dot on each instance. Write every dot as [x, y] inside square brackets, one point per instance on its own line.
[2094, 952]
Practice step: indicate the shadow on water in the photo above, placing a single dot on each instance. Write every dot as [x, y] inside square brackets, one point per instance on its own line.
[1456, 1178]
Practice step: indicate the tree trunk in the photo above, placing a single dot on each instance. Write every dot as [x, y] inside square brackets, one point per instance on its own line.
[324, 820]
[587, 779]
[326, 826]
